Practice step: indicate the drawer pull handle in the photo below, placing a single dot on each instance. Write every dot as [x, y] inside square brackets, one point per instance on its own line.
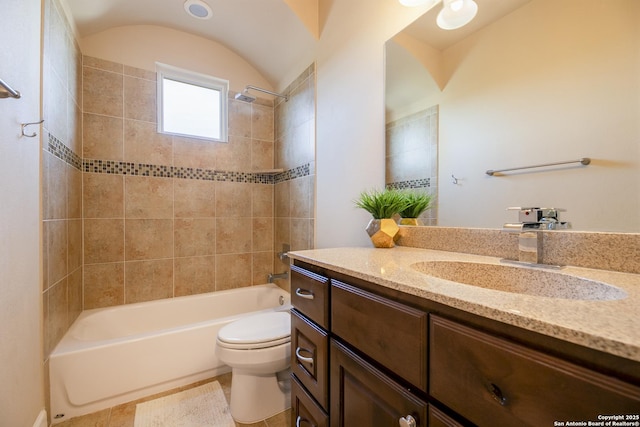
[300, 420]
[407, 421]
[302, 358]
[497, 395]
[304, 293]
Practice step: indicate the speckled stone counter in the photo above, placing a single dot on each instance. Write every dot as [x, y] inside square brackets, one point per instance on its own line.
[609, 326]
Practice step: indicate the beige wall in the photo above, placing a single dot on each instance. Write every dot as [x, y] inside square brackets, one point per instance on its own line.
[350, 112]
[552, 81]
[21, 370]
[141, 46]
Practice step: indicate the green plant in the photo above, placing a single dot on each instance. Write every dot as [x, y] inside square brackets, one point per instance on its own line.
[417, 203]
[382, 203]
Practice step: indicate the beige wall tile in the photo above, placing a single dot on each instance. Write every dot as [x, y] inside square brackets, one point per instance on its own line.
[143, 144]
[300, 234]
[74, 244]
[194, 237]
[282, 233]
[140, 73]
[194, 198]
[57, 241]
[233, 235]
[262, 201]
[55, 105]
[233, 199]
[102, 92]
[74, 192]
[103, 195]
[239, 118]
[262, 234]
[102, 137]
[103, 285]
[194, 153]
[262, 123]
[282, 199]
[58, 315]
[74, 126]
[233, 271]
[148, 239]
[148, 197]
[140, 99]
[194, 275]
[261, 154]
[102, 64]
[103, 240]
[300, 189]
[262, 263]
[55, 174]
[148, 280]
[234, 156]
[74, 295]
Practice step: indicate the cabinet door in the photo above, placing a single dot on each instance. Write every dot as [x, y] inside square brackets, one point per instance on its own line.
[310, 357]
[304, 411]
[363, 396]
[310, 295]
[389, 332]
[492, 381]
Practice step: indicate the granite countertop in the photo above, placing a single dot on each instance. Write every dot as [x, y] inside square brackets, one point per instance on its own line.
[610, 326]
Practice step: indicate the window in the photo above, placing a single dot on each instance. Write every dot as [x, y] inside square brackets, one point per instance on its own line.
[191, 104]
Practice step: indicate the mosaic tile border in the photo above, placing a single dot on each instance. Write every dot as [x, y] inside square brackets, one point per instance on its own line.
[414, 183]
[64, 153]
[58, 149]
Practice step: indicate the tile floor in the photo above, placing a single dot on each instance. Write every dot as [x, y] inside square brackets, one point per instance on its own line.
[123, 415]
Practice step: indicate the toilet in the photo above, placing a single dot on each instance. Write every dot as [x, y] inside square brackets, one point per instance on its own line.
[258, 350]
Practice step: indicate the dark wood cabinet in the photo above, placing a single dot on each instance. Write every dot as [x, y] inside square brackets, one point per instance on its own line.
[365, 355]
[492, 381]
[361, 395]
[310, 357]
[391, 333]
[305, 412]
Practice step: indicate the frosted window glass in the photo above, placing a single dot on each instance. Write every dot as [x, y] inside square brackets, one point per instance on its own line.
[191, 110]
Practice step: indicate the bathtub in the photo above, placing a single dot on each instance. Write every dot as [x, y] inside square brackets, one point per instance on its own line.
[114, 355]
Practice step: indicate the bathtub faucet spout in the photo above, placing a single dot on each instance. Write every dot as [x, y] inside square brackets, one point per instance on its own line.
[273, 277]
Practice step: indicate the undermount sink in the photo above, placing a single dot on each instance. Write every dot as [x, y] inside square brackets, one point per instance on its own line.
[521, 280]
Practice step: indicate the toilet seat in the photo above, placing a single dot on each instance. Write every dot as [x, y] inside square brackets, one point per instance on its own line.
[258, 331]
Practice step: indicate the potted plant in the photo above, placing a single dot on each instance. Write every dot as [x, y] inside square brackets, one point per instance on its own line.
[382, 205]
[417, 203]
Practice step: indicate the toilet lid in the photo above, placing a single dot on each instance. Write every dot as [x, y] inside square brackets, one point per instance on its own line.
[265, 329]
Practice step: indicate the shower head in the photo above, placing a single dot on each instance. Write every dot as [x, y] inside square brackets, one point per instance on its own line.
[245, 97]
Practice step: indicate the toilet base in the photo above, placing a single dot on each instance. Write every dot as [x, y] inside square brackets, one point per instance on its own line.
[257, 397]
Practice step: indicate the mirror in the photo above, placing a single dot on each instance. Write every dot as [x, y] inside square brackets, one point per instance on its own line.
[539, 82]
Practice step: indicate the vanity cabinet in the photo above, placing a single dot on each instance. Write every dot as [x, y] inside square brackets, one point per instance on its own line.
[388, 358]
[309, 348]
[492, 381]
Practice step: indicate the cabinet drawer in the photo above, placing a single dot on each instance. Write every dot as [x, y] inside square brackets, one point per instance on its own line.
[492, 381]
[438, 418]
[310, 295]
[309, 357]
[304, 411]
[361, 395]
[393, 334]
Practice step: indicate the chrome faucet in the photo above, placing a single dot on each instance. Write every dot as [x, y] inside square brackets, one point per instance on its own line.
[530, 238]
[273, 277]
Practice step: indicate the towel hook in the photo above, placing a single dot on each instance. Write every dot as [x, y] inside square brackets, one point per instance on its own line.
[24, 125]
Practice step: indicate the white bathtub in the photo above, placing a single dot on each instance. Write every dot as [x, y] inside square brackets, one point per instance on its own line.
[114, 355]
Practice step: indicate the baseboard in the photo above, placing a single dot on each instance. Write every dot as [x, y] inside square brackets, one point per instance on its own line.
[41, 421]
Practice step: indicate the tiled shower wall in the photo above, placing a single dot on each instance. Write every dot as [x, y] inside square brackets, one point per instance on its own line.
[61, 178]
[295, 151]
[412, 155]
[131, 215]
[168, 216]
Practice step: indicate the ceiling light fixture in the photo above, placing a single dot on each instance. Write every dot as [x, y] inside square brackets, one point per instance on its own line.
[198, 9]
[454, 13]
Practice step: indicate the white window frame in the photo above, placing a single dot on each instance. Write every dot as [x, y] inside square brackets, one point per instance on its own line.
[170, 72]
